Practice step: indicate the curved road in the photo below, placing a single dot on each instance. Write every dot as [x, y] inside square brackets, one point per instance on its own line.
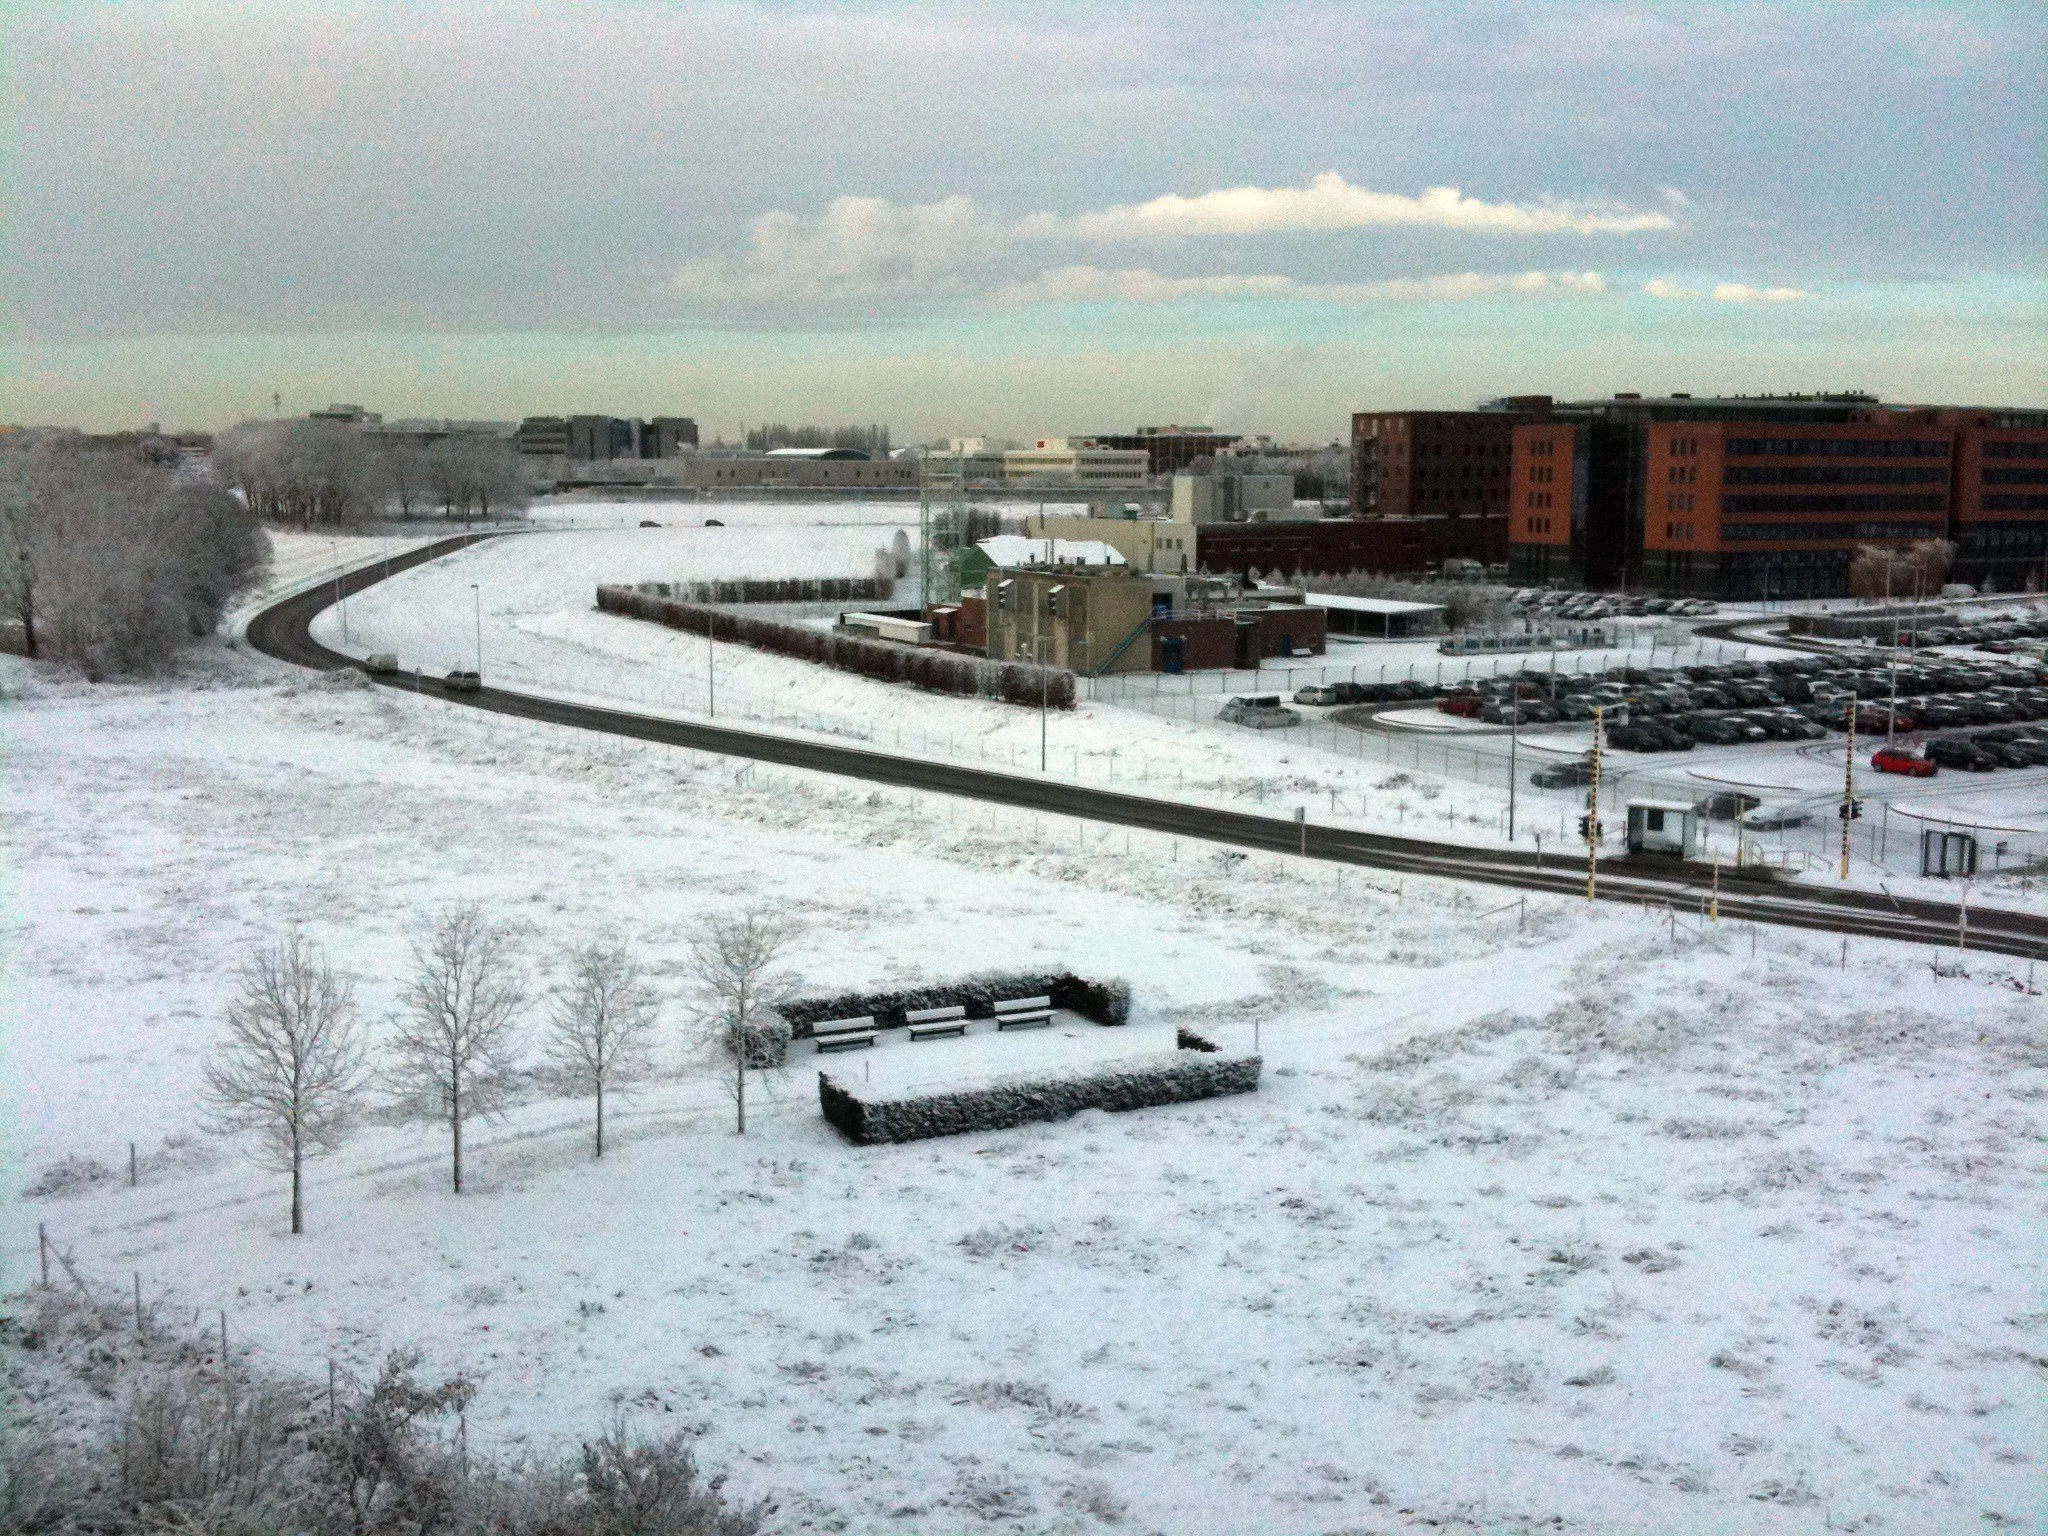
[283, 630]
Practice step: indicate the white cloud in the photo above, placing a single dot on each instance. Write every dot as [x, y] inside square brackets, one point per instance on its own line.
[1664, 288]
[1329, 202]
[1743, 293]
[1140, 285]
[860, 247]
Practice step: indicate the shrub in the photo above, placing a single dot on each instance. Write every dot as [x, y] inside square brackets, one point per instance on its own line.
[1107, 1002]
[1141, 1082]
[921, 667]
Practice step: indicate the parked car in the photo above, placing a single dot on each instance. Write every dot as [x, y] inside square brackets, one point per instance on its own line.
[1262, 712]
[380, 663]
[1892, 760]
[463, 682]
[1563, 775]
[1727, 804]
[1953, 752]
[1466, 705]
[1774, 818]
[1318, 693]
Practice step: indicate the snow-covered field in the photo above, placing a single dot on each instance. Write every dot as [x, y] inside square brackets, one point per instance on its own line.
[1567, 1220]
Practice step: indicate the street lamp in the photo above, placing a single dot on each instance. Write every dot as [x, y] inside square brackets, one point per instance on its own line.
[1038, 644]
[340, 591]
[477, 598]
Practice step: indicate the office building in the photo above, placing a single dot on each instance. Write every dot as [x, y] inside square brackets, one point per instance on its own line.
[1073, 461]
[1773, 496]
[1437, 463]
[1224, 497]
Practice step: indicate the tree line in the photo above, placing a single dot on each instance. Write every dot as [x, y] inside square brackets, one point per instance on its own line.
[872, 440]
[111, 558]
[295, 1071]
[322, 473]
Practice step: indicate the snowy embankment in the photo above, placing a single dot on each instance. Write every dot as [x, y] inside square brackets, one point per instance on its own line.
[1582, 1215]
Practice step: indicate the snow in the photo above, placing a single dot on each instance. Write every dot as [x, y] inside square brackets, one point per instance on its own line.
[1584, 1214]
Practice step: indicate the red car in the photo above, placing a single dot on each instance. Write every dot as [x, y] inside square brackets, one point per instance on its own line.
[1466, 704]
[1892, 760]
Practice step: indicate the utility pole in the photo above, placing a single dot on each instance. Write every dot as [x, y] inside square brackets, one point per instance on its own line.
[711, 657]
[1593, 811]
[1039, 643]
[1891, 721]
[1849, 807]
[1514, 742]
[477, 596]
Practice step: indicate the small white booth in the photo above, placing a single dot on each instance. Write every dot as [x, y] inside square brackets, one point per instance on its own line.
[1668, 827]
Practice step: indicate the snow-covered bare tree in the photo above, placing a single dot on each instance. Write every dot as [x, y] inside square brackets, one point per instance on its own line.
[292, 1070]
[735, 960]
[457, 1041]
[598, 1032]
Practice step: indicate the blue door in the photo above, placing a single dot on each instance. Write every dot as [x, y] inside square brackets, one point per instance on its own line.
[1170, 653]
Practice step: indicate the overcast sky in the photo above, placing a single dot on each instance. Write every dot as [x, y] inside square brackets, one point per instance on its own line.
[1014, 218]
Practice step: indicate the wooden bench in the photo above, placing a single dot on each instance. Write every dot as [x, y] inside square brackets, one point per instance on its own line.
[931, 1023]
[1024, 1013]
[844, 1034]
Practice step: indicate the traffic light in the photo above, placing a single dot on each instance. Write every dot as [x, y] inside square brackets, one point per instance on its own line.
[1055, 601]
[1849, 810]
[1589, 830]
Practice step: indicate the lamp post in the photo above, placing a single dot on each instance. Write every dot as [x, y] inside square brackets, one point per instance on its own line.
[477, 598]
[1039, 643]
[1514, 744]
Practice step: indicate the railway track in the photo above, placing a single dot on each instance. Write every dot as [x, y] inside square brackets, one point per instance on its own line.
[283, 631]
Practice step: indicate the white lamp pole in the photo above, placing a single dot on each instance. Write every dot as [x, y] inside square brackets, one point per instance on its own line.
[477, 597]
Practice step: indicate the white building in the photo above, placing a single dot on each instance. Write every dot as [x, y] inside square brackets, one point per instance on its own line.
[1071, 461]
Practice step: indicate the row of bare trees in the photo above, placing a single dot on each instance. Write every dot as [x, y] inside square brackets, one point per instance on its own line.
[111, 558]
[1919, 570]
[323, 473]
[296, 1071]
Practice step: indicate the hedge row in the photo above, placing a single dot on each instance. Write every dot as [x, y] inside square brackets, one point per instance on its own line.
[920, 666]
[1188, 1040]
[1105, 1002]
[1138, 1083]
[776, 589]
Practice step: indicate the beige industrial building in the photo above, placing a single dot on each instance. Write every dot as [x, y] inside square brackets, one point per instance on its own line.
[1071, 461]
[1090, 621]
[1147, 544]
[1226, 498]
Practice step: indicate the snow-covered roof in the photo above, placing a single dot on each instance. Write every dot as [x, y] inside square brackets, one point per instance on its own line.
[1013, 549]
[1368, 604]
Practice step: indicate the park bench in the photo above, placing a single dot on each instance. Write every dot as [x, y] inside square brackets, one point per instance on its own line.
[1024, 1013]
[931, 1023]
[844, 1034]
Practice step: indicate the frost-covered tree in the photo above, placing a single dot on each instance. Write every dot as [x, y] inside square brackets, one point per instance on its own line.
[603, 1018]
[112, 560]
[292, 1070]
[735, 960]
[458, 1039]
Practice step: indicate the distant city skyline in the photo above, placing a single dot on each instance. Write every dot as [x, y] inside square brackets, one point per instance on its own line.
[961, 218]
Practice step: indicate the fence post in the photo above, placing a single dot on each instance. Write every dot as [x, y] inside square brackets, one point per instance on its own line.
[43, 1252]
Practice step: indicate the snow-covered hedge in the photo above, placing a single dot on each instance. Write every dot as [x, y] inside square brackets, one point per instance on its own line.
[920, 666]
[1188, 1040]
[1105, 1002]
[776, 589]
[866, 1116]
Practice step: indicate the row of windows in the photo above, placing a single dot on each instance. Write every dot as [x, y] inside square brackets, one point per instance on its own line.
[2008, 450]
[1542, 448]
[2015, 503]
[1735, 533]
[1541, 498]
[1682, 474]
[1538, 524]
[1685, 447]
[1678, 531]
[1679, 502]
[1542, 474]
[1828, 474]
[2016, 477]
[1877, 503]
[2015, 539]
[1838, 447]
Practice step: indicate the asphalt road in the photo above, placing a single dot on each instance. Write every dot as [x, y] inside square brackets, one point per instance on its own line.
[283, 630]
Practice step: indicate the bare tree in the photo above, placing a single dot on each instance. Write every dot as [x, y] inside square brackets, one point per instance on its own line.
[603, 1016]
[292, 1070]
[458, 1039]
[735, 960]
